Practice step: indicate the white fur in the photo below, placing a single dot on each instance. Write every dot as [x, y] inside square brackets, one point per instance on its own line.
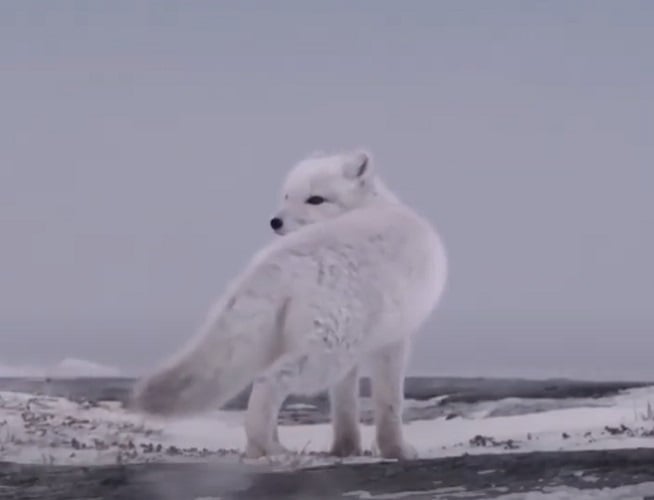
[351, 281]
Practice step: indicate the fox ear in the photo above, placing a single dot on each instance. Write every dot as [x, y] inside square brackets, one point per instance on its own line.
[357, 165]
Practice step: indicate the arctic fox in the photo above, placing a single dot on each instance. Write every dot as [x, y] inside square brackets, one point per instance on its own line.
[353, 278]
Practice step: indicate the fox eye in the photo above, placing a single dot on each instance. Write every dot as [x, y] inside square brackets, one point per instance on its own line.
[315, 200]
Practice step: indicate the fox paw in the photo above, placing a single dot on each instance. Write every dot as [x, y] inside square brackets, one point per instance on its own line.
[393, 450]
[346, 446]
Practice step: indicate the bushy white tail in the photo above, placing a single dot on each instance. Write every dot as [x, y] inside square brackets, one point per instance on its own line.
[236, 343]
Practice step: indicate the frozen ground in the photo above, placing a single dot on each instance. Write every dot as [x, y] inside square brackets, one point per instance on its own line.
[454, 422]
[618, 474]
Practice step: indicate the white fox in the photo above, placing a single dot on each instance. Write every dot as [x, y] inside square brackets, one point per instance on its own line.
[354, 277]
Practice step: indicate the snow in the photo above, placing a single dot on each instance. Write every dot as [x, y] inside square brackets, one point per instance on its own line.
[66, 368]
[37, 429]
[563, 429]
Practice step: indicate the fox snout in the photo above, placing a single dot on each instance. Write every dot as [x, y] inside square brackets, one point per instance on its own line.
[276, 223]
[281, 225]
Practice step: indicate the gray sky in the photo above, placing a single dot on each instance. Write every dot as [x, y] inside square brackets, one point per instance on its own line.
[142, 145]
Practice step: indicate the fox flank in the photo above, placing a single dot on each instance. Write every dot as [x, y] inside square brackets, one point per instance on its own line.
[352, 279]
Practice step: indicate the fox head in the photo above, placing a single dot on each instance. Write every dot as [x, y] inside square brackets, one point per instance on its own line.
[323, 187]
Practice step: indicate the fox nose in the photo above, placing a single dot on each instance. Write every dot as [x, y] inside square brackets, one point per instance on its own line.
[276, 223]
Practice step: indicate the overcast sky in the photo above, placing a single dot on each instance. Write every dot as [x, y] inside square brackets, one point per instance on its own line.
[142, 146]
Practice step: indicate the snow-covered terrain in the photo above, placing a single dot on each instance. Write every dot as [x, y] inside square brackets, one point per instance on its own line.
[41, 429]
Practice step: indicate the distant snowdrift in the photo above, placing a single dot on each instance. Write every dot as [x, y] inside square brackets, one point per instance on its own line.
[71, 367]
[67, 368]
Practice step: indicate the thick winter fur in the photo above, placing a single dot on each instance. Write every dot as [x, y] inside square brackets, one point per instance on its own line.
[354, 277]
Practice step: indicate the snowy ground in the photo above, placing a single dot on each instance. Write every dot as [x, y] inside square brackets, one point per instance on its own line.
[54, 430]
[471, 432]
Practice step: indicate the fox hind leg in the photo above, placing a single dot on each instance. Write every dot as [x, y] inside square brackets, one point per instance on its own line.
[295, 373]
[261, 420]
[344, 401]
[387, 367]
